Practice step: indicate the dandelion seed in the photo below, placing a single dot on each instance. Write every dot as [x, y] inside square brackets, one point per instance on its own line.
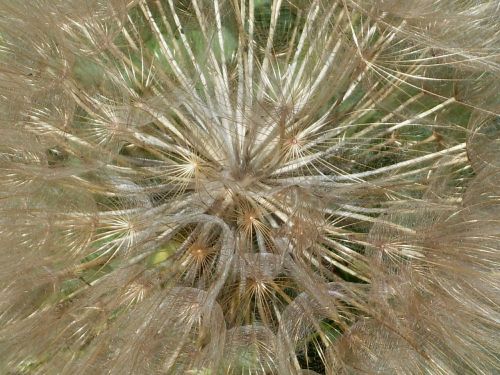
[249, 187]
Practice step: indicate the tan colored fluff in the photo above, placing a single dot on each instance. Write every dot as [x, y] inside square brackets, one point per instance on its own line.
[249, 187]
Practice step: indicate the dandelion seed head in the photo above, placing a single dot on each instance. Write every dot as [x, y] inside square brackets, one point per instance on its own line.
[248, 187]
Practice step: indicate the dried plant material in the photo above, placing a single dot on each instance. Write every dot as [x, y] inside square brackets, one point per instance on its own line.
[249, 187]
